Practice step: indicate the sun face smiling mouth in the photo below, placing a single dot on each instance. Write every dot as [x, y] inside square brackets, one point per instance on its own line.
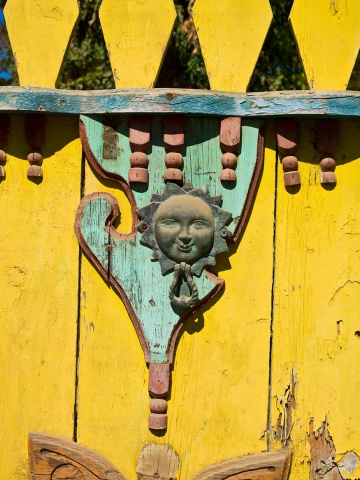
[185, 248]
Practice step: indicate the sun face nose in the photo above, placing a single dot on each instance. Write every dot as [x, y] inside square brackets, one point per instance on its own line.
[184, 234]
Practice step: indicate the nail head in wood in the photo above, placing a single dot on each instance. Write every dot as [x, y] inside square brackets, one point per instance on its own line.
[230, 134]
[157, 421]
[173, 160]
[286, 136]
[289, 163]
[173, 174]
[158, 405]
[139, 134]
[35, 158]
[327, 136]
[139, 160]
[159, 379]
[229, 160]
[138, 175]
[2, 157]
[328, 177]
[328, 164]
[34, 171]
[291, 179]
[228, 175]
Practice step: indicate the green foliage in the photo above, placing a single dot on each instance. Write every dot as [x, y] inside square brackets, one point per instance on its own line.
[279, 65]
[86, 65]
[183, 64]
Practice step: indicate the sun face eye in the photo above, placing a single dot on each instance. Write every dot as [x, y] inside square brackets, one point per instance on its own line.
[169, 222]
[199, 224]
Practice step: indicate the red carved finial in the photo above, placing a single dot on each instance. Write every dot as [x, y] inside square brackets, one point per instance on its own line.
[230, 135]
[327, 143]
[139, 138]
[174, 141]
[35, 138]
[287, 142]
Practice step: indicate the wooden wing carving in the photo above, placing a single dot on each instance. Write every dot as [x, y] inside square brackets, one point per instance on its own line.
[262, 466]
[52, 458]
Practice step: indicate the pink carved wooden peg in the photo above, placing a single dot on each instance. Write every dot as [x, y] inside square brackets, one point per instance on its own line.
[327, 143]
[287, 137]
[139, 138]
[174, 142]
[35, 138]
[230, 135]
[174, 133]
[4, 138]
[159, 385]
[287, 142]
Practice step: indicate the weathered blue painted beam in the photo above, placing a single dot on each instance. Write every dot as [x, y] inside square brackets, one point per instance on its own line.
[303, 103]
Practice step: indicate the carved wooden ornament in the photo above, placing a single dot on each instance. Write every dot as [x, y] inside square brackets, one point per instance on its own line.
[160, 268]
[52, 458]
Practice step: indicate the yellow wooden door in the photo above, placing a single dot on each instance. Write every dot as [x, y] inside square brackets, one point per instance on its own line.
[275, 353]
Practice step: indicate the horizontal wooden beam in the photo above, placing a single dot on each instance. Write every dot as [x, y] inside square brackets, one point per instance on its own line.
[295, 104]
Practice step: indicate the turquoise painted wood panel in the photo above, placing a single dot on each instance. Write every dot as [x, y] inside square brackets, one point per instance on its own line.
[132, 267]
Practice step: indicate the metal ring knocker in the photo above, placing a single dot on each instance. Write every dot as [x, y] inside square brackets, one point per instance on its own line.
[183, 270]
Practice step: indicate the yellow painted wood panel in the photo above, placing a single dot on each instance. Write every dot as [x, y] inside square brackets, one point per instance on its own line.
[136, 33]
[328, 36]
[39, 290]
[231, 34]
[39, 33]
[317, 298]
[218, 405]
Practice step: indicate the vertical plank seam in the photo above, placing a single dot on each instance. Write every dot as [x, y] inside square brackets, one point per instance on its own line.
[77, 352]
[269, 419]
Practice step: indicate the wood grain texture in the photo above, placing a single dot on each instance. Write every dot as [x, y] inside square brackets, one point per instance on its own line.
[231, 35]
[39, 280]
[157, 461]
[53, 458]
[327, 35]
[321, 104]
[263, 466]
[317, 300]
[39, 32]
[233, 336]
[136, 33]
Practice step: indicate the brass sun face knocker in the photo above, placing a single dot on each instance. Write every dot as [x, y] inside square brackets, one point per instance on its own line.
[186, 228]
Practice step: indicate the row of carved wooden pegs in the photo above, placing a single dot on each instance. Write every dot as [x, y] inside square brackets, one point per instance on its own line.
[34, 137]
[174, 142]
[327, 143]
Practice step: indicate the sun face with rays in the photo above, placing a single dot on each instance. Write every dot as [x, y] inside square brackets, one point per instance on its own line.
[184, 225]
